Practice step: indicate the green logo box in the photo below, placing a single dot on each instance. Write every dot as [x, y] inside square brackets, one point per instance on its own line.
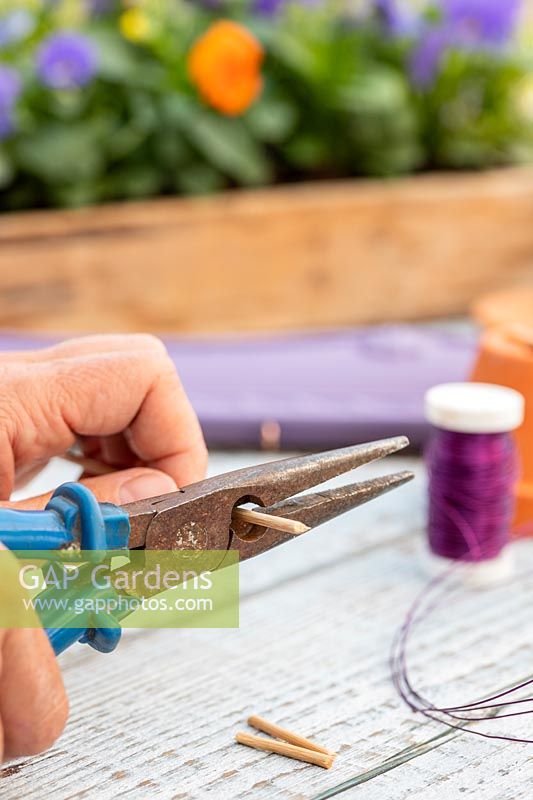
[120, 588]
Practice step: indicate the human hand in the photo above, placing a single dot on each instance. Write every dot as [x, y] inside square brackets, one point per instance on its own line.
[120, 398]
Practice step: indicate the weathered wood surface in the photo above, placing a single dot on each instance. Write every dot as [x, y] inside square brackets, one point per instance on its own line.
[291, 257]
[157, 718]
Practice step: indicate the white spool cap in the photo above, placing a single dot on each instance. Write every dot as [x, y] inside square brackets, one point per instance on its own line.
[474, 407]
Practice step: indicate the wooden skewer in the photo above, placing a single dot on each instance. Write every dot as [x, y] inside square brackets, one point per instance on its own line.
[284, 749]
[269, 521]
[288, 736]
[282, 524]
[90, 465]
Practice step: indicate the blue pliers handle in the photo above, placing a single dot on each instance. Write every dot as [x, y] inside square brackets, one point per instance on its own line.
[73, 516]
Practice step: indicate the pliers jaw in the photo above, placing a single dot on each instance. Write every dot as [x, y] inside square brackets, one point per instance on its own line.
[199, 517]
[313, 510]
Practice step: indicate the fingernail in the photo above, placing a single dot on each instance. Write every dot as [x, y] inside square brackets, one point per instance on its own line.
[150, 484]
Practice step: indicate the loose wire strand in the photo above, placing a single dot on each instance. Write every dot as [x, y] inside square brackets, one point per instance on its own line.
[418, 703]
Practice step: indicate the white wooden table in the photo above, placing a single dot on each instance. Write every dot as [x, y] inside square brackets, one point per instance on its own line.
[157, 718]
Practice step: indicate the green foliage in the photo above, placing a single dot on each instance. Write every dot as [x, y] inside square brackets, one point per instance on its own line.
[337, 101]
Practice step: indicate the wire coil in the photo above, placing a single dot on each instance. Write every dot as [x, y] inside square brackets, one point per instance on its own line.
[471, 493]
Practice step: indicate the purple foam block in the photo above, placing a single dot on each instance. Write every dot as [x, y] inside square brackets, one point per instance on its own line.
[324, 390]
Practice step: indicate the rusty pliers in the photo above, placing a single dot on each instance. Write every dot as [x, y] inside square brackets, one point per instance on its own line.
[199, 516]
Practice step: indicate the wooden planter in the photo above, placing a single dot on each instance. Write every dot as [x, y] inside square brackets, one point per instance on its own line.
[314, 255]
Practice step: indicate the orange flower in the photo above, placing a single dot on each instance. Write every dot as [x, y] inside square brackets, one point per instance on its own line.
[225, 63]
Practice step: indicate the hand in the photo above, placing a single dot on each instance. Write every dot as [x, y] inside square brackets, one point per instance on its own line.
[121, 399]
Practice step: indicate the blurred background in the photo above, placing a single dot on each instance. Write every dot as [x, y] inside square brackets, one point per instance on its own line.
[318, 203]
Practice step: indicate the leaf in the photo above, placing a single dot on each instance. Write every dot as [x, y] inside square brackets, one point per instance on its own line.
[307, 151]
[169, 148]
[226, 144]
[117, 59]
[381, 91]
[143, 111]
[136, 181]
[76, 195]
[397, 159]
[272, 120]
[125, 141]
[297, 56]
[199, 179]
[175, 109]
[121, 62]
[59, 153]
[7, 169]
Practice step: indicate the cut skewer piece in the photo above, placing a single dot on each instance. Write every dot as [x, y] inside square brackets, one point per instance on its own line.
[90, 465]
[247, 515]
[288, 736]
[284, 749]
[253, 517]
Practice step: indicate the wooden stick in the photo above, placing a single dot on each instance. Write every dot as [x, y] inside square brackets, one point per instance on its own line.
[284, 749]
[90, 465]
[288, 736]
[292, 526]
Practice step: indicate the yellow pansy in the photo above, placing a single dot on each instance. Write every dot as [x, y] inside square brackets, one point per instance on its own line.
[135, 25]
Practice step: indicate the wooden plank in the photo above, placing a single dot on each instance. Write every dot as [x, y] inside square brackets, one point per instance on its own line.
[157, 719]
[318, 255]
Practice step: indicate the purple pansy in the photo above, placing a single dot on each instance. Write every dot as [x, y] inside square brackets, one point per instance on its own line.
[100, 7]
[397, 21]
[485, 22]
[462, 24]
[10, 89]
[269, 8]
[67, 60]
[427, 56]
[389, 14]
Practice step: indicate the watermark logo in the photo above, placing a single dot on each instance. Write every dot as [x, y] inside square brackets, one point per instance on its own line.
[127, 589]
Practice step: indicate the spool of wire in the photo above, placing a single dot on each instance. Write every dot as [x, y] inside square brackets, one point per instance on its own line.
[473, 469]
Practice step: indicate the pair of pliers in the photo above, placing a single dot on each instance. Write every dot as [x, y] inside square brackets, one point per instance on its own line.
[198, 517]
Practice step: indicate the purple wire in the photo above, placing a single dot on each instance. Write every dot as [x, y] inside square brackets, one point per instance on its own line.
[471, 500]
[420, 704]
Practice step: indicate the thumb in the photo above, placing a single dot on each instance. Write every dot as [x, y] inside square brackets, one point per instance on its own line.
[121, 487]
